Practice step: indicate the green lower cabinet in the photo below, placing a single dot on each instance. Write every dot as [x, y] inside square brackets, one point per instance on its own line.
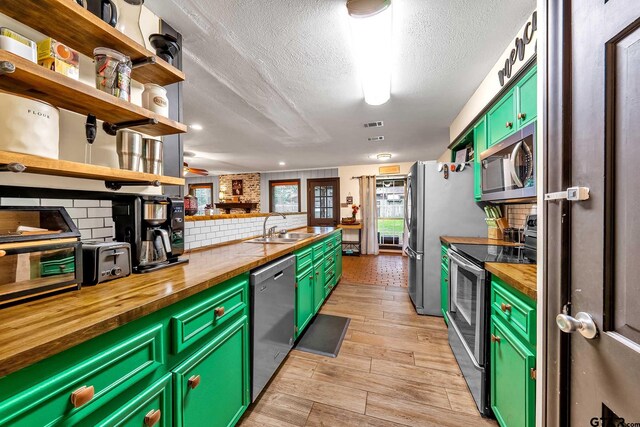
[513, 388]
[152, 407]
[338, 253]
[444, 292]
[212, 386]
[318, 286]
[304, 300]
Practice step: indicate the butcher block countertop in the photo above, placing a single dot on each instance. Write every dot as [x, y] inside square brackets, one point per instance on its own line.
[39, 329]
[449, 240]
[522, 277]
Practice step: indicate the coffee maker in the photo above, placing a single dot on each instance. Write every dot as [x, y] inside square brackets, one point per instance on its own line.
[154, 227]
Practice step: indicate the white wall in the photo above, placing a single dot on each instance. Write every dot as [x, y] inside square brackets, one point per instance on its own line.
[490, 86]
[72, 129]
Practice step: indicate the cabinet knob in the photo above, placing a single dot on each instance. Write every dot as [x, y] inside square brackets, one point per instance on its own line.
[495, 338]
[219, 311]
[152, 417]
[522, 116]
[505, 307]
[446, 280]
[194, 381]
[82, 396]
[317, 273]
[3, 253]
[509, 124]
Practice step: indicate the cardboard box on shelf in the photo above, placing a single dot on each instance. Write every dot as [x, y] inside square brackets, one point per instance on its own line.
[59, 58]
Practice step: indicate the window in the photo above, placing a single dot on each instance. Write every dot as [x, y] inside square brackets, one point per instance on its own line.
[204, 194]
[284, 196]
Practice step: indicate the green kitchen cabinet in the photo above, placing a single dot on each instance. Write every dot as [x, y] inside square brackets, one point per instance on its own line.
[444, 292]
[527, 98]
[305, 297]
[318, 286]
[212, 386]
[501, 118]
[338, 253]
[513, 389]
[479, 145]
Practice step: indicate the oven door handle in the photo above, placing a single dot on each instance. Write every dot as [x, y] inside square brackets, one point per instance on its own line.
[514, 175]
[464, 343]
[462, 262]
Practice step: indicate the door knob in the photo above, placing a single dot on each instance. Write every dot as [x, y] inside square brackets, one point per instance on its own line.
[582, 323]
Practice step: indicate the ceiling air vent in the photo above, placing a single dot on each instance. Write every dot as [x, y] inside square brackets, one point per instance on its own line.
[376, 138]
[374, 124]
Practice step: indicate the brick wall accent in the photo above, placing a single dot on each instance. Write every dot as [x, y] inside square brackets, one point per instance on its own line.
[251, 188]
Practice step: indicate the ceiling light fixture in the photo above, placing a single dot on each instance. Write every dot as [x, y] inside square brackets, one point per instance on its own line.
[371, 23]
[282, 163]
[383, 156]
[196, 126]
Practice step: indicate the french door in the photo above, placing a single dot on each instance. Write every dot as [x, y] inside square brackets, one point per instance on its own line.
[323, 202]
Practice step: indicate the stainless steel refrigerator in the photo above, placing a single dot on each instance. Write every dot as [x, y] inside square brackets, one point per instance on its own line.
[436, 207]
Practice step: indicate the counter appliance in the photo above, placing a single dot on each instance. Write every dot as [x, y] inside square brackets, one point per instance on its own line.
[104, 261]
[436, 207]
[154, 227]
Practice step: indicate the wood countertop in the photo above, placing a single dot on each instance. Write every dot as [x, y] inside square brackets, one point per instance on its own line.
[522, 277]
[475, 241]
[233, 216]
[39, 329]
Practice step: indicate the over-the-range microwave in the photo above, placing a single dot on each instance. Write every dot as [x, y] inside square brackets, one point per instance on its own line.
[509, 167]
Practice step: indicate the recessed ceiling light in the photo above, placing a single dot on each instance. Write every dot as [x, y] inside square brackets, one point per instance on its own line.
[196, 126]
[281, 163]
[376, 138]
[383, 156]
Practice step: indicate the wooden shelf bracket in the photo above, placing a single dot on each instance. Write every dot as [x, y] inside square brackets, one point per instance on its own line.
[117, 185]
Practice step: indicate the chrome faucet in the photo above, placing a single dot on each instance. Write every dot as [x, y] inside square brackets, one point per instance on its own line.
[272, 229]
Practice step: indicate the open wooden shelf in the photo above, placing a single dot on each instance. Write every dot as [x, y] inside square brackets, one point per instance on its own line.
[46, 166]
[71, 24]
[61, 91]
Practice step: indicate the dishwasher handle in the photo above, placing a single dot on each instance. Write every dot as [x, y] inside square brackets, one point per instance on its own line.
[278, 275]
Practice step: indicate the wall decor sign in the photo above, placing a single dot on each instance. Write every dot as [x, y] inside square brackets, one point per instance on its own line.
[520, 46]
[386, 170]
[236, 187]
[349, 200]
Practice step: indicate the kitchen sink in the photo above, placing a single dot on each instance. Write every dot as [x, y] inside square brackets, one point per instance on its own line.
[283, 238]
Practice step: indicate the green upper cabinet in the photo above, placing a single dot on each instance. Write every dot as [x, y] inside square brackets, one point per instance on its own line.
[513, 389]
[479, 145]
[501, 118]
[212, 386]
[527, 95]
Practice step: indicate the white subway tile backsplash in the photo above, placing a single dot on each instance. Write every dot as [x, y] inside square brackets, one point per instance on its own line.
[98, 212]
[102, 232]
[19, 201]
[76, 213]
[85, 234]
[91, 223]
[86, 203]
[106, 203]
[67, 203]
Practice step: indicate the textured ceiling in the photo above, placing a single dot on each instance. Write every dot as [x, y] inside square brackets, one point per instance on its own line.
[275, 80]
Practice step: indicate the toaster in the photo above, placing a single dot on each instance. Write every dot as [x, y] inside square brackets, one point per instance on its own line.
[105, 261]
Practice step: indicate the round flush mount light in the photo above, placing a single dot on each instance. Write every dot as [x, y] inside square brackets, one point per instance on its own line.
[196, 126]
[383, 156]
[366, 8]
[281, 163]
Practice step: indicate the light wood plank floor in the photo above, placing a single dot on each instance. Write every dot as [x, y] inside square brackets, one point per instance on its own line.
[395, 368]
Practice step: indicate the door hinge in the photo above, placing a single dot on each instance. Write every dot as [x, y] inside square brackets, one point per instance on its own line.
[573, 194]
[533, 373]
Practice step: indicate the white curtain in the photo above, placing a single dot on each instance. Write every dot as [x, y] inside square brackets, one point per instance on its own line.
[369, 215]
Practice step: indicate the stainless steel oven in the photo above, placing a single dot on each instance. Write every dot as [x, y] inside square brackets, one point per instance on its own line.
[468, 324]
[508, 168]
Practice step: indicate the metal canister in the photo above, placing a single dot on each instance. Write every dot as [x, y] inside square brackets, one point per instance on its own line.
[152, 156]
[129, 147]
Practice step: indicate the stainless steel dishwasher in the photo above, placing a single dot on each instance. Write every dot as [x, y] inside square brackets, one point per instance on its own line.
[273, 293]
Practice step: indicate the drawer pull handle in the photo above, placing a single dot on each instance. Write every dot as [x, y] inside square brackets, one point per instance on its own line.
[495, 338]
[522, 116]
[194, 381]
[219, 311]
[509, 125]
[152, 417]
[82, 396]
[3, 253]
[505, 307]
[446, 280]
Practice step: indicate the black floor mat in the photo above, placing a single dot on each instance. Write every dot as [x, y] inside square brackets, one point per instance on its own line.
[324, 335]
